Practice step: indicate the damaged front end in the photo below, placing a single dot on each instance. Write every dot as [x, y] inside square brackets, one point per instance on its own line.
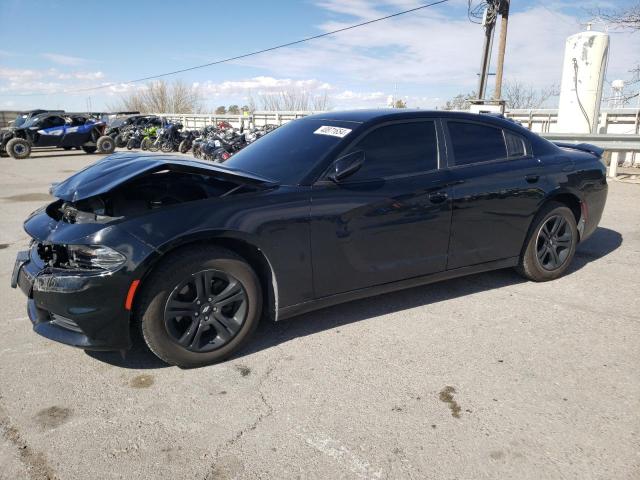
[83, 265]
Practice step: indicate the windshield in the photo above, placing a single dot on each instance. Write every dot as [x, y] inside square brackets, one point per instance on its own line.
[288, 153]
[20, 119]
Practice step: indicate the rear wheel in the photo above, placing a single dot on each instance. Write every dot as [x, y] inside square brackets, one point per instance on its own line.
[551, 244]
[166, 147]
[120, 141]
[106, 144]
[18, 148]
[199, 306]
[184, 146]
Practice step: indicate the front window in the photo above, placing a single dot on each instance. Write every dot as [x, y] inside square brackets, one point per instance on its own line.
[290, 152]
[405, 148]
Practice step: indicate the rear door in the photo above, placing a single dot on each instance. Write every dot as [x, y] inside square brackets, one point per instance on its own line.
[388, 221]
[495, 194]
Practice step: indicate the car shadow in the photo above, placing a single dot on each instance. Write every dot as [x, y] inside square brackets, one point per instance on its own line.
[270, 334]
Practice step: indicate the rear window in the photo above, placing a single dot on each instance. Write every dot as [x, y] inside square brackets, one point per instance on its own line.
[476, 143]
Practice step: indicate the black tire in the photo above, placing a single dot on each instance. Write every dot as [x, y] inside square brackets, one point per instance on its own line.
[106, 144]
[18, 148]
[89, 149]
[177, 274]
[154, 146]
[184, 146]
[166, 147]
[120, 141]
[144, 144]
[551, 244]
[67, 148]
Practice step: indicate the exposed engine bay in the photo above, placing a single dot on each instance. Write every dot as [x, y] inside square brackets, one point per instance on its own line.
[147, 192]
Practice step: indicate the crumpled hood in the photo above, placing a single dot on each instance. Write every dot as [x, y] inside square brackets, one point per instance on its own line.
[120, 168]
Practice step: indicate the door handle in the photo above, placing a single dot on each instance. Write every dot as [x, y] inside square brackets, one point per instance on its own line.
[532, 178]
[438, 197]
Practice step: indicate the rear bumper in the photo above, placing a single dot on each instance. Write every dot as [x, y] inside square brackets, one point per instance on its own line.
[594, 204]
[78, 310]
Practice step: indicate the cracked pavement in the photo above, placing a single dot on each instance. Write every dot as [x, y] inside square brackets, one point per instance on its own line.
[544, 379]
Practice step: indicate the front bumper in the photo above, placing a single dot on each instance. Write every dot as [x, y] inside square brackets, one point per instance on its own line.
[81, 310]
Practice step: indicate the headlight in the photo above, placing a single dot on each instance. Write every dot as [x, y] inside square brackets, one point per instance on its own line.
[94, 257]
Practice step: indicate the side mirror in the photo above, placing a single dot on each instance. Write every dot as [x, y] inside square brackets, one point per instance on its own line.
[347, 165]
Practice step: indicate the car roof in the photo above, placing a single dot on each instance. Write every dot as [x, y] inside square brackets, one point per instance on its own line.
[372, 117]
[389, 114]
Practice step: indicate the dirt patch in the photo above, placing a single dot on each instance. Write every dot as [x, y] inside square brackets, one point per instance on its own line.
[497, 455]
[446, 396]
[52, 417]
[142, 381]
[244, 371]
[29, 197]
[35, 462]
[4, 245]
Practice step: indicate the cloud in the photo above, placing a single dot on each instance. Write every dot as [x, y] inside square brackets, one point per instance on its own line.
[431, 54]
[259, 85]
[20, 81]
[66, 60]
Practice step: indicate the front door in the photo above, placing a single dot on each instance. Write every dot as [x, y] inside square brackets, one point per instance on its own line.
[49, 132]
[388, 221]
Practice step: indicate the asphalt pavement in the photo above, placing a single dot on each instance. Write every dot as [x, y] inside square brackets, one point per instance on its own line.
[482, 377]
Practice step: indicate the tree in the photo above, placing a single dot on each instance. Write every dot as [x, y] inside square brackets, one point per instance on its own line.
[519, 95]
[162, 97]
[233, 110]
[628, 19]
[294, 99]
[245, 108]
[400, 104]
[460, 101]
[625, 19]
[221, 110]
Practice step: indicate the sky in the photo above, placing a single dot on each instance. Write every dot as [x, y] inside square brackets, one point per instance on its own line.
[425, 57]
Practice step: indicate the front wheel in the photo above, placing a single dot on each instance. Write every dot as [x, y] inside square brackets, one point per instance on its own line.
[551, 244]
[199, 306]
[184, 146]
[18, 148]
[120, 141]
[166, 147]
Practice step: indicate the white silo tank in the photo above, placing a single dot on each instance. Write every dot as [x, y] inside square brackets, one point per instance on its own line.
[583, 71]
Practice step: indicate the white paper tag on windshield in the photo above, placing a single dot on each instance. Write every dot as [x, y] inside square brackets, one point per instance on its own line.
[333, 131]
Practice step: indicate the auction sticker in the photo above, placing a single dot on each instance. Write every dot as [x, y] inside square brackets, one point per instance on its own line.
[333, 131]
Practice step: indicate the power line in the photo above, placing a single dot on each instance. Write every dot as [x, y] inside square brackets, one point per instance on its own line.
[237, 57]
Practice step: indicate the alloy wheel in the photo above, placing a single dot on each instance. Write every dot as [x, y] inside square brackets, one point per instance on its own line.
[206, 311]
[555, 239]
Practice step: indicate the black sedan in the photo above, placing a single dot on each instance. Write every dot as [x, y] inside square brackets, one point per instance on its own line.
[323, 210]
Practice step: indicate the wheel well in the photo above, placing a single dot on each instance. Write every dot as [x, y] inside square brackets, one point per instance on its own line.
[251, 254]
[570, 201]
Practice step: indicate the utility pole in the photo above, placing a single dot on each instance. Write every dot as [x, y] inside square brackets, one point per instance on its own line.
[488, 22]
[503, 9]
